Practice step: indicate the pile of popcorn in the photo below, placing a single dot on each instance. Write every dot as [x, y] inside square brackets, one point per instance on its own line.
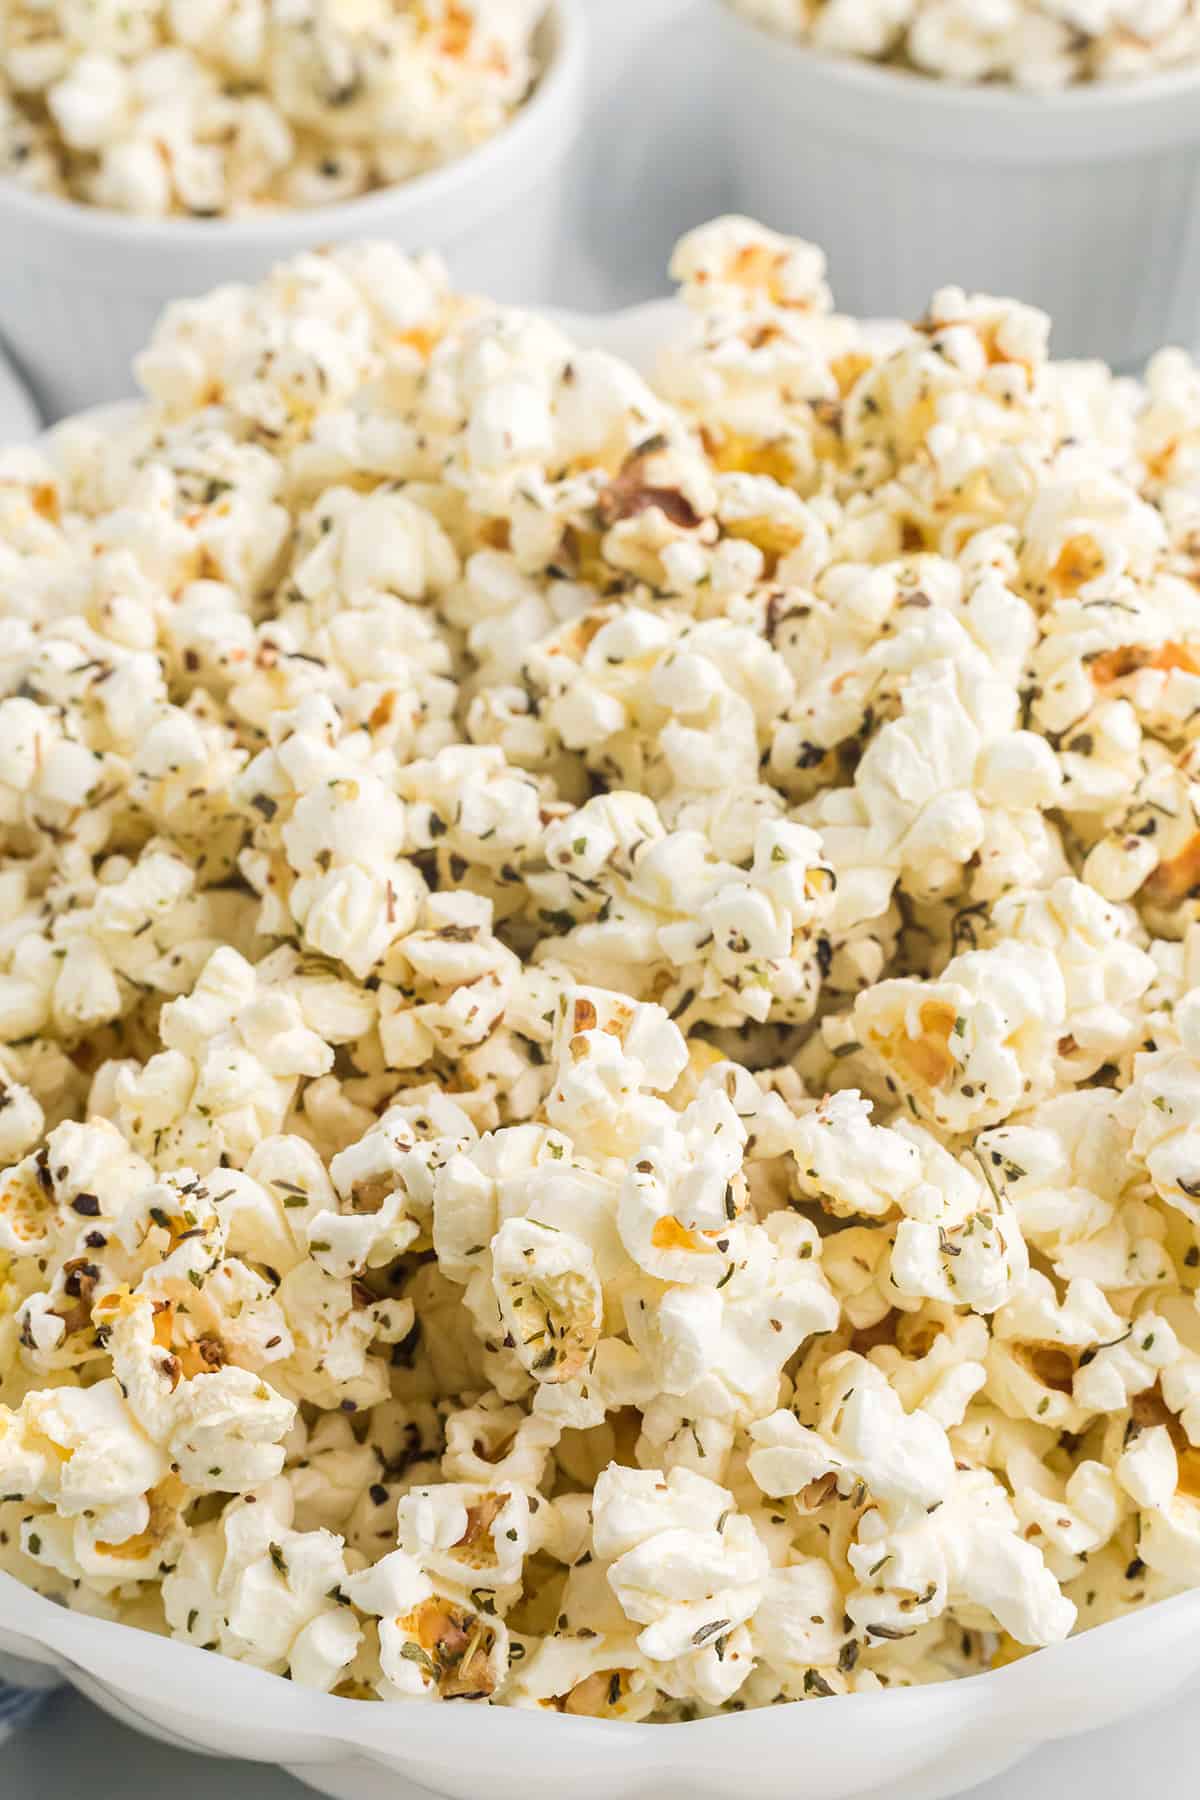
[220, 108]
[600, 993]
[1036, 44]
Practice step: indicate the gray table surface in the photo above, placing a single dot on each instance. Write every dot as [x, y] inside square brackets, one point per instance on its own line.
[642, 58]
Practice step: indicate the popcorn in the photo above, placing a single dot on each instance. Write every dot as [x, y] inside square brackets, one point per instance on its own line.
[385, 1185]
[226, 112]
[1158, 1105]
[732, 946]
[79, 1449]
[975, 1045]
[601, 1679]
[1066, 1169]
[682, 1563]
[902, 1459]
[351, 893]
[549, 1297]
[1104, 973]
[235, 1048]
[598, 980]
[252, 1587]
[473, 1539]
[220, 1427]
[1043, 45]
[492, 1440]
[431, 1646]
[970, 1554]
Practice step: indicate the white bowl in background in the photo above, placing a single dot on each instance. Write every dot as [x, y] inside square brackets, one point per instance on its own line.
[1085, 202]
[81, 288]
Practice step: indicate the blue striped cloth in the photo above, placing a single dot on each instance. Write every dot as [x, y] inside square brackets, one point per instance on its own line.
[19, 1706]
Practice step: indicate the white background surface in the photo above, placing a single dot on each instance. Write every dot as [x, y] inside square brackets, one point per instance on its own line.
[654, 138]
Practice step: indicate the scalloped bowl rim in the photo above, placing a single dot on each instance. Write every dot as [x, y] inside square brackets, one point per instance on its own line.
[131, 1662]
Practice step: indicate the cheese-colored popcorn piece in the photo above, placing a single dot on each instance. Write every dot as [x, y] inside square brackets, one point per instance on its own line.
[221, 1427]
[972, 1047]
[468, 1539]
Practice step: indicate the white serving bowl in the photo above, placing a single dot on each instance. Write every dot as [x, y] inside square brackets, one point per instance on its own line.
[81, 288]
[914, 1744]
[1086, 203]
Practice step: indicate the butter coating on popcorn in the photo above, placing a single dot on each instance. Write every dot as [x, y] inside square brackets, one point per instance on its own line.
[600, 993]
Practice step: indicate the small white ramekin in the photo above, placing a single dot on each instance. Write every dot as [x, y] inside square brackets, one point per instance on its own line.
[80, 289]
[1086, 203]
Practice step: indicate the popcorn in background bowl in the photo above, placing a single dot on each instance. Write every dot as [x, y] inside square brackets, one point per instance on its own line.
[226, 110]
[487, 185]
[1046, 148]
[599, 989]
[1036, 44]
